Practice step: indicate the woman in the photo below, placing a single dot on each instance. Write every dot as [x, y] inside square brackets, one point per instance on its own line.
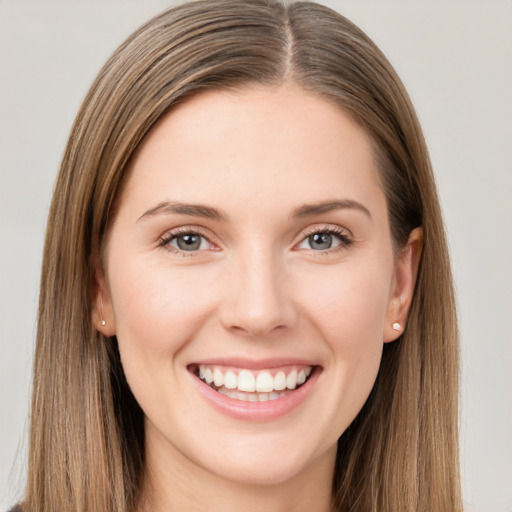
[246, 300]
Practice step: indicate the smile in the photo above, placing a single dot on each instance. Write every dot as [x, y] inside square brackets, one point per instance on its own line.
[253, 386]
[262, 390]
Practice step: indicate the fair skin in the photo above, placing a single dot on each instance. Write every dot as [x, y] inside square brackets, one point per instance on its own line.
[289, 268]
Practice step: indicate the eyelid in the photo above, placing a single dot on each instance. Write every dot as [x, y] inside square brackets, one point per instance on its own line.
[165, 239]
[322, 227]
[343, 233]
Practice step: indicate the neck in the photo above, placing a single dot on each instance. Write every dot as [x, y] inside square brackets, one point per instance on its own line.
[174, 483]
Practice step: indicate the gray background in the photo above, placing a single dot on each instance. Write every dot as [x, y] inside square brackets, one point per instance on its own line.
[455, 57]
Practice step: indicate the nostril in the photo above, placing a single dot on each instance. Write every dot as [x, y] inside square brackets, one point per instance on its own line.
[257, 330]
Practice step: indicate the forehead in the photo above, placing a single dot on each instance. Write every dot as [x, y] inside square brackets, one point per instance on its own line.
[255, 144]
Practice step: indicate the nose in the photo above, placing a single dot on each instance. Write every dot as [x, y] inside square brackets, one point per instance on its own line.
[259, 298]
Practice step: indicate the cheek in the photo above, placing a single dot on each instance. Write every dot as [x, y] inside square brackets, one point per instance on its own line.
[349, 306]
[158, 309]
[349, 311]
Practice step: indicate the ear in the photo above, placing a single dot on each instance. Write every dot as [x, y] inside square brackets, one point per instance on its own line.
[406, 271]
[102, 313]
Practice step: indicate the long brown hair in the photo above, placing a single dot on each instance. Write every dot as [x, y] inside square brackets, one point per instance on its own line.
[87, 436]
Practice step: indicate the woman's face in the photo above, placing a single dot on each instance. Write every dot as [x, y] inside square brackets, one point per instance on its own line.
[252, 247]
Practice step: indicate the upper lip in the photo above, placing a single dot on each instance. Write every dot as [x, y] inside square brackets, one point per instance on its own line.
[254, 364]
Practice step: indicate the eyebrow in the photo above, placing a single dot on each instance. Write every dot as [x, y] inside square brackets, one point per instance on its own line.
[194, 210]
[208, 212]
[329, 206]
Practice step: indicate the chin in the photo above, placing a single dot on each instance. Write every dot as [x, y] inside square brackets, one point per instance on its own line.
[263, 457]
[263, 469]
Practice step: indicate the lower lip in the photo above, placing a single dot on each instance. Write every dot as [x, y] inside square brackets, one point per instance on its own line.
[258, 411]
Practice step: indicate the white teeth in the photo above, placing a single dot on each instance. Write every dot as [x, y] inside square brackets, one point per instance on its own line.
[260, 384]
[291, 380]
[218, 378]
[232, 394]
[280, 381]
[246, 381]
[264, 382]
[230, 380]
[208, 376]
[251, 397]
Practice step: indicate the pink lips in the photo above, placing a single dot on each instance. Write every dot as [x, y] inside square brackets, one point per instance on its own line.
[255, 410]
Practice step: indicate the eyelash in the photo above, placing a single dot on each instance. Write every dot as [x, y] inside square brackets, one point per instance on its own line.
[344, 237]
[167, 238]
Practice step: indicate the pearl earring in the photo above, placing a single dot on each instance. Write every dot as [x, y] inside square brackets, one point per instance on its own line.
[397, 326]
[103, 323]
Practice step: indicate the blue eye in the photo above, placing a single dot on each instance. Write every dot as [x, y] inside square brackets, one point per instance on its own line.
[186, 242]
[324, 240]
[321, 241]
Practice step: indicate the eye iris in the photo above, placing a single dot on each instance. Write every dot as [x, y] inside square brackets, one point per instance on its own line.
[320, 241]
[189, 242]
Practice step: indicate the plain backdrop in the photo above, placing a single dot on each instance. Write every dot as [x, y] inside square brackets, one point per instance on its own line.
[455, 58]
